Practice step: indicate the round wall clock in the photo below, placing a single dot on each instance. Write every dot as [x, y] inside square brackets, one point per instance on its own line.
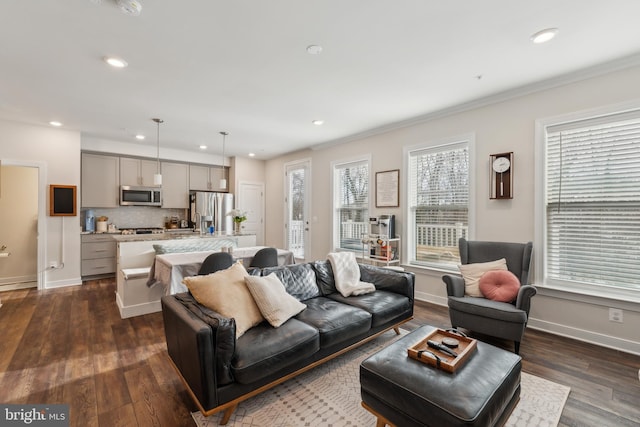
[501, 164]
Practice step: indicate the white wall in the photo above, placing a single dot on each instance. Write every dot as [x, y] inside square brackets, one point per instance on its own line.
[503, 126]
[57, 153]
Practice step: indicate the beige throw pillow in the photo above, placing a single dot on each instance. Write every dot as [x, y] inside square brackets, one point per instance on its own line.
[472, 273]
[275, 304]
[226, 292]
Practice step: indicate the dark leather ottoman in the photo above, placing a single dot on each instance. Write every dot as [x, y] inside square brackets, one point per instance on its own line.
[405, 392]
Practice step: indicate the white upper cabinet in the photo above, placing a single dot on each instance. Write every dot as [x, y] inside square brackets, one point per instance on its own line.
[137, 172]
[175, 185]
[100, 181]
[206, 178]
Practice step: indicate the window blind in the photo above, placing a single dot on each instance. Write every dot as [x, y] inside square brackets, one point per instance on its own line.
[439, 202]
[351, 194]
[593, 202]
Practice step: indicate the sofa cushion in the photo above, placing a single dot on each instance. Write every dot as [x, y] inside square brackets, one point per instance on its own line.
[193, 245]
[299, 280]
[384, 306]
[335, 321]
[486, 308]
[264, 350]
[471, 273]
[225, 291]
[499, 285]
[275, 304]
[324, 277]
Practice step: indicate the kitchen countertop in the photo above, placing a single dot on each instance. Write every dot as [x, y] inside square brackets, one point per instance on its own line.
[171, 236]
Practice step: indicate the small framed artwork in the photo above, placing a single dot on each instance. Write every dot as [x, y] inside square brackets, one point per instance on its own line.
[62, 200]
[387, 188]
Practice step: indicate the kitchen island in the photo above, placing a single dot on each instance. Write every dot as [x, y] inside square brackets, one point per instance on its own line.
[135, 254]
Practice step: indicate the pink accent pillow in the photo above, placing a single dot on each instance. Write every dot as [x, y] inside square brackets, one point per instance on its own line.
[499, 285]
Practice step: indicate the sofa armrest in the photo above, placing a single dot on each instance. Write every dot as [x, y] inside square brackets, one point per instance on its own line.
[455, 285]
[399, 282]
[190, 344]
[523, 301]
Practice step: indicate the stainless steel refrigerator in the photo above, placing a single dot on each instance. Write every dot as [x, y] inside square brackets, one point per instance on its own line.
[208, 208]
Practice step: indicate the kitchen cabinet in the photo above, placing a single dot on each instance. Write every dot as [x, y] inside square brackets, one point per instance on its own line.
[137, 172]
[98, 252]
[100, 181]
[175, 185]
[245, 240]
[206, 178]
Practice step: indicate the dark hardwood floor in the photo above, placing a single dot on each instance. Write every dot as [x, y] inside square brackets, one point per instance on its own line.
[70, 345]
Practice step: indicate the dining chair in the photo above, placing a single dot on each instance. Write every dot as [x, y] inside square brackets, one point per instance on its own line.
[265, 257]
[215, 262]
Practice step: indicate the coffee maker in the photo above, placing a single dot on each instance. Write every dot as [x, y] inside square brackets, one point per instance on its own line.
[384, 225]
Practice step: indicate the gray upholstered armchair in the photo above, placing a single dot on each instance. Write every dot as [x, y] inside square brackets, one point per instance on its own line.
[498, 319]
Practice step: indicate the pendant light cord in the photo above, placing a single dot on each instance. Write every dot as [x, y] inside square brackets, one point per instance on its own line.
[158, 121]
[224, 138]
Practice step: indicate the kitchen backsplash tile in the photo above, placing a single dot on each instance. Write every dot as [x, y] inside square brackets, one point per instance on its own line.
[135, 216]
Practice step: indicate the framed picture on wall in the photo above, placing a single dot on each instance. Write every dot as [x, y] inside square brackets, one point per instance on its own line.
[388, 188]
[62, 200]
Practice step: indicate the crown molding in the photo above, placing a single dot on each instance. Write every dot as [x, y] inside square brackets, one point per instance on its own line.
[554, 82]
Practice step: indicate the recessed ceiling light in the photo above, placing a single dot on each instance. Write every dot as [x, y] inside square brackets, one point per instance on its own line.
[55, 123]
[130, 7]
[140, 137]
[203, 147]
[314, 49]
[252, 154]
[544, 35]
[318, 122]
[115, 62]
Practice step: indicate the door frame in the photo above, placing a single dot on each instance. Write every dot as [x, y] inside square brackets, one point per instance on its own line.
[41, 233]
[305, 162]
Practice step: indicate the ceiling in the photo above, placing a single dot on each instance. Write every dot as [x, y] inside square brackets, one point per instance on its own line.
[241, 66]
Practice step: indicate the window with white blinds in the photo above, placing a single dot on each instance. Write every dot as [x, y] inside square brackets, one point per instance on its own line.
[592, 202]
[351, 203]
[439, 203]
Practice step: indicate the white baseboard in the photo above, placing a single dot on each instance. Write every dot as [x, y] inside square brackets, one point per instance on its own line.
[137, 309]
[18, 279]
[62, 283]
[434, 299]
[587, 336]
[607, 341]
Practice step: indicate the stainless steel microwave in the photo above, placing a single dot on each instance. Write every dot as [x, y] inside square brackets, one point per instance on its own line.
[140, 196]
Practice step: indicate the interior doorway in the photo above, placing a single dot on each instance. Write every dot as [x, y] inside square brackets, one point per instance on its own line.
[22, 210]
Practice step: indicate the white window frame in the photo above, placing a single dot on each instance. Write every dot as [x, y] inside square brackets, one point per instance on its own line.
[335, 233]
[581, 291]
[408, 247]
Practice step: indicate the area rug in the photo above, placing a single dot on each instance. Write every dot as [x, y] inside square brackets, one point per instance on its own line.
[329, 395]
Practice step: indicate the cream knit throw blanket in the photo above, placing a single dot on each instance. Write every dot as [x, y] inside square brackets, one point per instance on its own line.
[347, 274]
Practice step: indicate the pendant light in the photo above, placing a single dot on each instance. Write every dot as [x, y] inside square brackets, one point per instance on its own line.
[223, 180]
[157, 177]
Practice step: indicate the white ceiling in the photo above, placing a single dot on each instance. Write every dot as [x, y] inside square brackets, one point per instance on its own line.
[241, 66]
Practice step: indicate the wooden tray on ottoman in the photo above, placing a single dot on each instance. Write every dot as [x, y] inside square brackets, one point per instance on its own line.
[420, 351]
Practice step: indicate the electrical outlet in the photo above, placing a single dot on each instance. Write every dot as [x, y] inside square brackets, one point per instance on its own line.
[615, 315]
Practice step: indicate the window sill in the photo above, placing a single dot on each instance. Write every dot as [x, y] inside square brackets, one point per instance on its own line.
[431, 271]
[624, 301]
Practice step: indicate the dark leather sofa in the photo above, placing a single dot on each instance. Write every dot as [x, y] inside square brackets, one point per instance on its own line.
[220, 371]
